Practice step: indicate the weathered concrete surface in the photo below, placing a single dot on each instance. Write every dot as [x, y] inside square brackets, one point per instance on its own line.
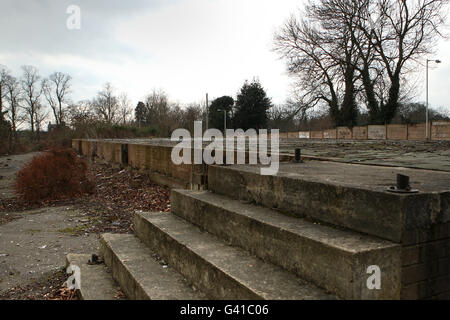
[96, 282]
[334, 259]
[344, 195]
[221, 271]
[38, 242]
[139, 274]
[152, 157]
[411, 154]
[9, 166]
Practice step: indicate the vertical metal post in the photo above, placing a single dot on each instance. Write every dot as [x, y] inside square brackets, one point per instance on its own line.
[207, 112]
[426, 112]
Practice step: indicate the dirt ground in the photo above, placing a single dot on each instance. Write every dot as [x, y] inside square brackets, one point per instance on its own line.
[35, 238]
[33, 243]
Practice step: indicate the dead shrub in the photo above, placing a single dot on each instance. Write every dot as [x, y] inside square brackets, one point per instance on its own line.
[57, 174]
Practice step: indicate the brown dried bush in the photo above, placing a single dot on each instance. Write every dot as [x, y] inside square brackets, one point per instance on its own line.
[57, 174]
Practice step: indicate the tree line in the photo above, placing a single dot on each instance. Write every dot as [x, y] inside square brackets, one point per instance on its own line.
[250, 110]
[28, 98]
[353, 56]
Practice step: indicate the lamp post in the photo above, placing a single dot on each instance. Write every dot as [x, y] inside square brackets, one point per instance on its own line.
[224, 122]
[207, 112]
[426, 112]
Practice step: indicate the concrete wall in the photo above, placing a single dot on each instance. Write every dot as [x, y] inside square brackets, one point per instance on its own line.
[376, 132]
[360, 133]
[426, 264]
[330, 134]
[416, 131]
[304, 135]
[316, 134]
[344, 133]
[397, 132]
[154, 159]
[292, 135]
[438, 131]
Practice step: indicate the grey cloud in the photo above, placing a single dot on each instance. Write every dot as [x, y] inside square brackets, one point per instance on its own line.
[40, 26]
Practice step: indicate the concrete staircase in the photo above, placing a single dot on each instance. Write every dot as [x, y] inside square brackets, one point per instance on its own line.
[330, 257]
[212, 246]
[315, 230]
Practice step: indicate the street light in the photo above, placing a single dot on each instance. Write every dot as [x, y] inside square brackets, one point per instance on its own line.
[426, 113]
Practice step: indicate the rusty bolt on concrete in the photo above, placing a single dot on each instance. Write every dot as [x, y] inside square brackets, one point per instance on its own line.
[298, 155]
[403, 185]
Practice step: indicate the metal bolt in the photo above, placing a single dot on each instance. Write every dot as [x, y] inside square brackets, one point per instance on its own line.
[403, 182]
[298, 155]
[402, 186]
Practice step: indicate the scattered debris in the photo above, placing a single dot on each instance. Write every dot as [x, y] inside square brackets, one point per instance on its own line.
[111, 208]
[51, 286]
[119, 295]
[95, 259]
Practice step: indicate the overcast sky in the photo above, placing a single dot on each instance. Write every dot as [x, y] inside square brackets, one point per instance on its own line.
[186, 47]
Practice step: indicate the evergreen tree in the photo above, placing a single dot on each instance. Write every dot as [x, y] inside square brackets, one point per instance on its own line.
[252, 106]
[140, 114]
[216, 112]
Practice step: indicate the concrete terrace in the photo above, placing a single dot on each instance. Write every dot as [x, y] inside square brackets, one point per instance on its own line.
[410, 154]
[315, 226]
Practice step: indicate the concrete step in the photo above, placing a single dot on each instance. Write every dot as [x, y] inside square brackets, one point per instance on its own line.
[140, 275]
[96, 282]
[219, 270]
[347, 195]
[332, 258]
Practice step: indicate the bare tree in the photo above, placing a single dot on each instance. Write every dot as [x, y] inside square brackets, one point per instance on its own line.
[13, 97]
[158, 110]
[106, 104]
[32, 91]
[3, 75]
[408, 30]
[40, 117]
[364, 49]
[321, 55]
[5, 126]
[192, 113]
[125, 108]
[56, 89]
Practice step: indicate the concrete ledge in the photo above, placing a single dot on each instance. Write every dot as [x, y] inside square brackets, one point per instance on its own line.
[96, 282]
[221, 271]
[140, 276]
[166, 181]
[334, 259]
[350, 196]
